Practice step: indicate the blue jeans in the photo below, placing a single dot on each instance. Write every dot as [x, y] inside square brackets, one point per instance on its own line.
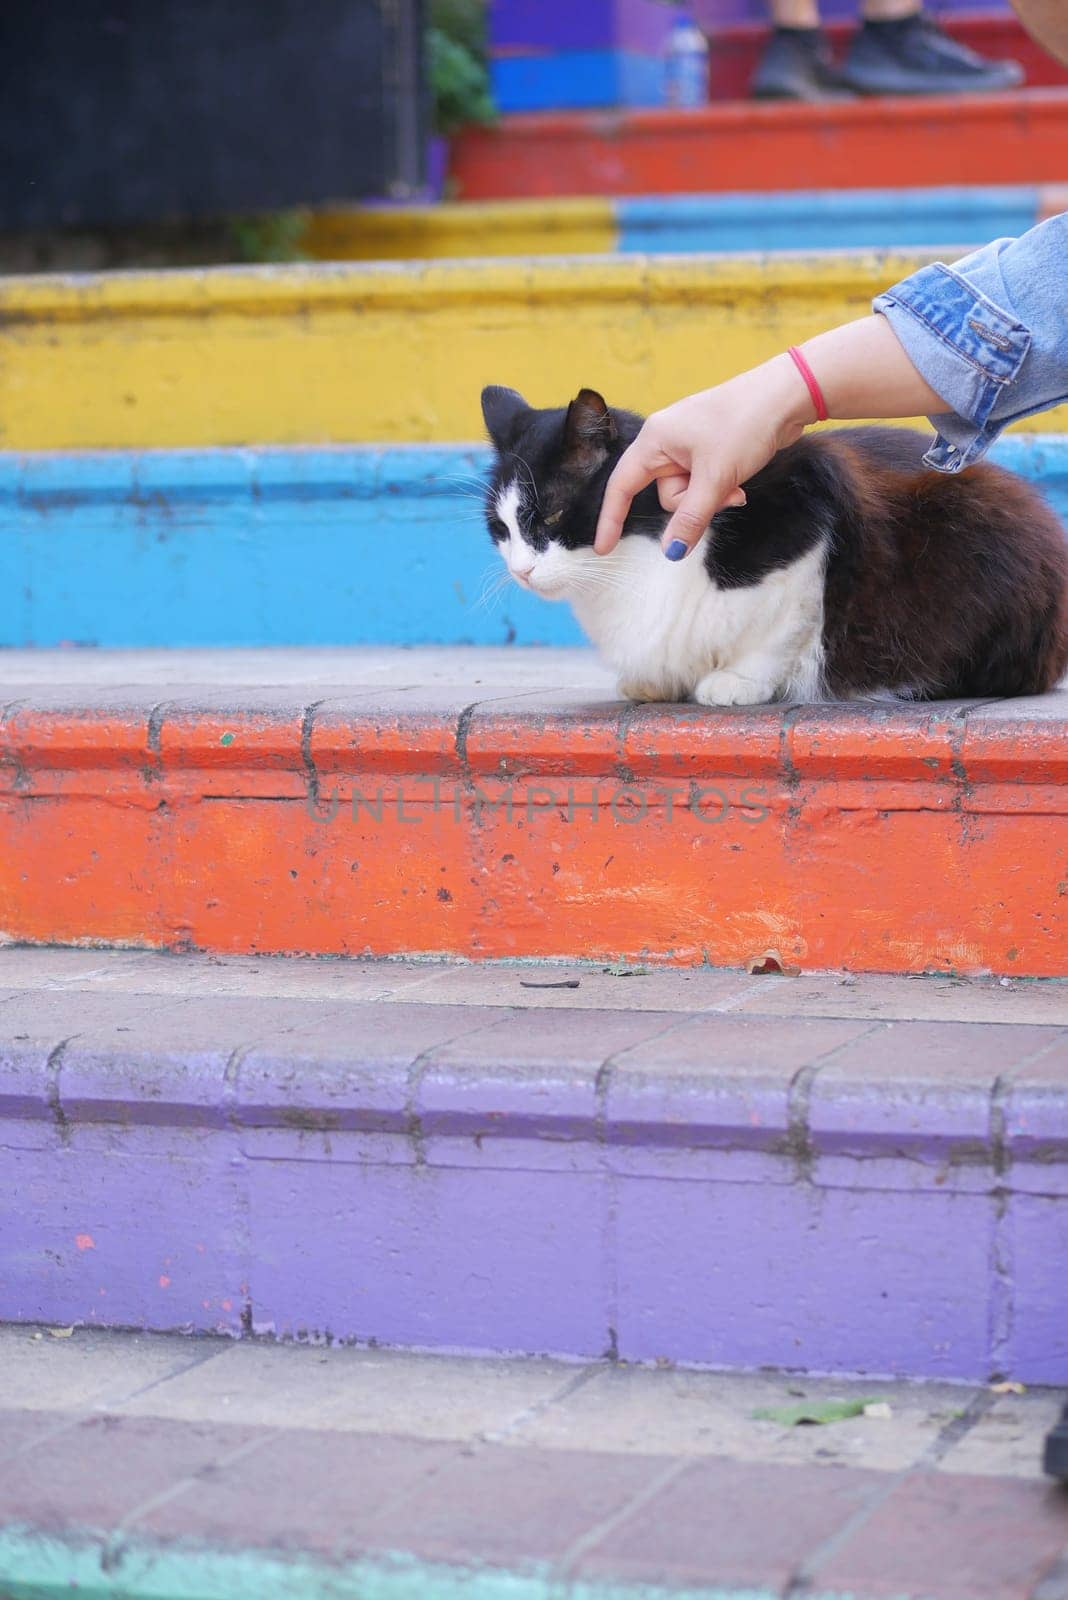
[989, 334]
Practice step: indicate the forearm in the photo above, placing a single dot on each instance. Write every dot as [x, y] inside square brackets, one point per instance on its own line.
[863, 371]
[861, 368]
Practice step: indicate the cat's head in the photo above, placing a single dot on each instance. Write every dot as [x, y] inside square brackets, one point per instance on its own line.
[548, 482]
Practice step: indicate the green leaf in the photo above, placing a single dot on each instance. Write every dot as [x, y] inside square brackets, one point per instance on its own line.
[621, 970]
[459, 83]
[815, 1411]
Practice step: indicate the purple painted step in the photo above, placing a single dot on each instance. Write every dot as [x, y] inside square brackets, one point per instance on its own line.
[444, 1158]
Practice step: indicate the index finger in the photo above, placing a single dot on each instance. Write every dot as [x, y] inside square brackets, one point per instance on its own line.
[628, 479]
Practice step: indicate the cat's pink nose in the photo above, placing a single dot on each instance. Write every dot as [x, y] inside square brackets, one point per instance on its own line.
[522, 573]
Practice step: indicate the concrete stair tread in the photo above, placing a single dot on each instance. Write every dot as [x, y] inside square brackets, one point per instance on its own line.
[97, 1035]
[184, 673]
[168, 1466]
[55, 676]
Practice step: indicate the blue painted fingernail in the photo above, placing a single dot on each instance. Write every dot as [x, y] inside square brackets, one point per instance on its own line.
[676, 550]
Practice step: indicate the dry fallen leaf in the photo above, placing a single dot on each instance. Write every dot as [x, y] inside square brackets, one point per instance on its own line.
[879, 1409]
[1010, 1386]
[772, 962]
[61, 1333]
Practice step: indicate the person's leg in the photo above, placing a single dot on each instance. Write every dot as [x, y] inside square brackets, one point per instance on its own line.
[795, 13]
[796, 63]
[889, 10]
[898, 50]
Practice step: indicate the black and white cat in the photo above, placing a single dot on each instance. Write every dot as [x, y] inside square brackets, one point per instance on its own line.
[851, 571]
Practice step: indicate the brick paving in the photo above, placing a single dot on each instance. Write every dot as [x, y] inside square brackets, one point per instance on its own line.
[599, 1475]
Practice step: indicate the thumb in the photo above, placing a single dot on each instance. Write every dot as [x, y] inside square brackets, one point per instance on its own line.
[694, 512]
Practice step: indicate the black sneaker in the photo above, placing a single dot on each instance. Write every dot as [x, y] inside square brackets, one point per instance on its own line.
[796, 65]
[913, 56]
[1055, 1460]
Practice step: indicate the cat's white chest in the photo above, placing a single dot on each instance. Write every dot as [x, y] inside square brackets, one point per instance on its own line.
[669, 632]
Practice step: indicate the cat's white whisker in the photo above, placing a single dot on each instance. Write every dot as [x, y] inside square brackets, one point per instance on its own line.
[477, 485]
[494, 581]
[530, 478]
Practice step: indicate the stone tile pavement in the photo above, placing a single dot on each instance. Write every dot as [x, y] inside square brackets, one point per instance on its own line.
[537, 985]
[586, 1479]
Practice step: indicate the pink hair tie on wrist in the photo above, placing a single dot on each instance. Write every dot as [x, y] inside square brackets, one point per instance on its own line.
[810, 383]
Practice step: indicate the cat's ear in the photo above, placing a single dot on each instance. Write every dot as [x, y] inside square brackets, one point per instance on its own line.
[590, 429]
[501, 410]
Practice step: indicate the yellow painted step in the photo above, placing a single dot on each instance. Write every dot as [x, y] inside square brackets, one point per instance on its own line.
[480, 228]
[392, 352]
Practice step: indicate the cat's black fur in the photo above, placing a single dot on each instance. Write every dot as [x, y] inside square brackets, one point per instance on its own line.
[945, 585]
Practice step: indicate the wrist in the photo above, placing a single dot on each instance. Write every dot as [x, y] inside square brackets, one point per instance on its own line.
[791, 403]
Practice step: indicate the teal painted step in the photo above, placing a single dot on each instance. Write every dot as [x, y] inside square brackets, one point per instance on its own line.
[50, 1566]
[298, 546]
[827, 219]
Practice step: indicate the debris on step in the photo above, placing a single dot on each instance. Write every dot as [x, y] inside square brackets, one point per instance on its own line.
[819, 1412]
[772, 962]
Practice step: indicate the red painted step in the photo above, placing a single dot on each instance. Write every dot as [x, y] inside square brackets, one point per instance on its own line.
[1020, 137]
[503, 803]
[735, 50]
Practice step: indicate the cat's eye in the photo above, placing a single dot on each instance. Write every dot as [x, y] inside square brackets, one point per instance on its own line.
[497, 528]
[550, 522]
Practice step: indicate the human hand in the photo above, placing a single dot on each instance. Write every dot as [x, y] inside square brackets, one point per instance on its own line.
[702, 449]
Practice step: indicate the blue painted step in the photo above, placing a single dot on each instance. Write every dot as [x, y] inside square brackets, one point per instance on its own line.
[346, 545]
[826, 219]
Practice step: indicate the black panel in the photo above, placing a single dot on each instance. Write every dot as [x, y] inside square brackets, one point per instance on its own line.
[125, 111]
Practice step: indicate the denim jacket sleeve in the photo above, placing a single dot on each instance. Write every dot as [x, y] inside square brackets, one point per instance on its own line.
[989, 334]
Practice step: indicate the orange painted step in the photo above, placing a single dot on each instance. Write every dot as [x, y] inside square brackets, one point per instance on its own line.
[502, 803]
[1020, 137]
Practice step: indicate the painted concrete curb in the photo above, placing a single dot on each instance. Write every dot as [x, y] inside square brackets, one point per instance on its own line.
[812, 220]
[736, 1192]
[450, 820]
[372, 352]
[1005, 138]
[285, 546]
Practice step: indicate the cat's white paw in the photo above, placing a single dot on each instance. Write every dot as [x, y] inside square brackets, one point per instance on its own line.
[644, 690]
[728, 689]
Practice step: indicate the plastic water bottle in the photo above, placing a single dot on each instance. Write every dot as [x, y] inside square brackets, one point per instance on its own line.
[686, 63]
